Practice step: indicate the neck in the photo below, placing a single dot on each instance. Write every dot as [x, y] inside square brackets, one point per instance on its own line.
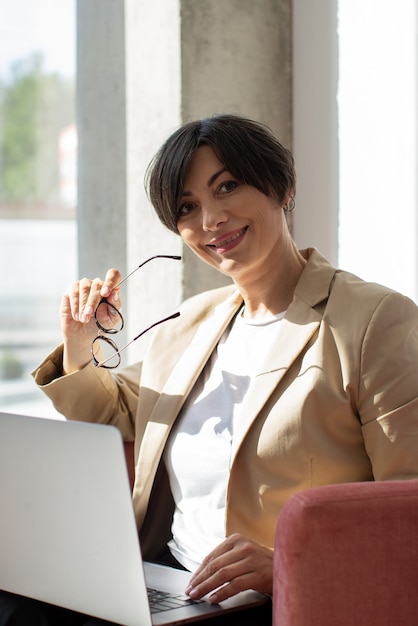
[273, 291]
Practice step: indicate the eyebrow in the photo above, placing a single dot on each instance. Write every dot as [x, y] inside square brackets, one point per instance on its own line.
[210, 181]
[215, 176]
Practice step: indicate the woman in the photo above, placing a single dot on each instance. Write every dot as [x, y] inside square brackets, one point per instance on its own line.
[297, 375]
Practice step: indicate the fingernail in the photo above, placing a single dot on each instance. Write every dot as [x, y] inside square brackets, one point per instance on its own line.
[188, 589]
[105, 291]
[88, 311]
[86, 315]
[213, 599]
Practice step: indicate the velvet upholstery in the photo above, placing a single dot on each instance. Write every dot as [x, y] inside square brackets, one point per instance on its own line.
[347, 555]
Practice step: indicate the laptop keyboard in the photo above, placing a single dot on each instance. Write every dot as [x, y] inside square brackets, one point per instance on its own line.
[163, 601]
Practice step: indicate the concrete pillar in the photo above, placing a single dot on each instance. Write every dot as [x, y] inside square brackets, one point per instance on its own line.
[101, 121]
[315, 124]
[153, 110]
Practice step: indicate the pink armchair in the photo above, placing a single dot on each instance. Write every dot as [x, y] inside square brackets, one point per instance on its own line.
[347, 555]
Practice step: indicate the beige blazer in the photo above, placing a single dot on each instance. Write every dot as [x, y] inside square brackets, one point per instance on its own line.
[335, 400]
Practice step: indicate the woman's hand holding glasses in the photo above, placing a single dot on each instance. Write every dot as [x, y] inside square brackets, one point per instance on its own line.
[78, 324]
[90, 311]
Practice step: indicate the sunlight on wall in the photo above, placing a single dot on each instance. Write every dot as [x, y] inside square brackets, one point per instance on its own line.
[378, 230]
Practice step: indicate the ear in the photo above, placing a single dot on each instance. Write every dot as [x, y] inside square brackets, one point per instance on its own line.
[289, 204]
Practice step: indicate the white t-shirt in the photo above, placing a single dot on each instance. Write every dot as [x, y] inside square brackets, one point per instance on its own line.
[198, 453]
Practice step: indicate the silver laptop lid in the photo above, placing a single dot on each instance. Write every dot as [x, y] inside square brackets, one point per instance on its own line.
[67, 528]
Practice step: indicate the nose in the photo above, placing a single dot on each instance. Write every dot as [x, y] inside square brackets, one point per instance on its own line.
[213, 215]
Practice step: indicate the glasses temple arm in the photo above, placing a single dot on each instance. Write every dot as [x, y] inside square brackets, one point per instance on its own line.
[157, 256]
[170, 317]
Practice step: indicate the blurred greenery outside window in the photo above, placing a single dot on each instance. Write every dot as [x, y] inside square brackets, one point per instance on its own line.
[37, 108]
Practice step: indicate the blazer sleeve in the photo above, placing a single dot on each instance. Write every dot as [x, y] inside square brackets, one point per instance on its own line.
[388, 388]
[92, 394]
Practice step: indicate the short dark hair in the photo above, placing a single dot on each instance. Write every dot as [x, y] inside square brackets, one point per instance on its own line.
[248, 150]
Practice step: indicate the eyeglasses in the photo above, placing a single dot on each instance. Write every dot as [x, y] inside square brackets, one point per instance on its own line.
[109, 320]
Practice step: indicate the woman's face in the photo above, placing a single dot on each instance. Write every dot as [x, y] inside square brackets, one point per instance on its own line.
[233, 227]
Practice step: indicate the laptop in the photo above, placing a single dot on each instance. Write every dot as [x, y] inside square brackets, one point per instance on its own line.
[67, 528]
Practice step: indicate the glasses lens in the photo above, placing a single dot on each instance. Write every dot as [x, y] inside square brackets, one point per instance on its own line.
[105, 352]
[108, 318]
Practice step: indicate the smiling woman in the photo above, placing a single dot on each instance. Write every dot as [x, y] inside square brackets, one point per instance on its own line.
[288, 378]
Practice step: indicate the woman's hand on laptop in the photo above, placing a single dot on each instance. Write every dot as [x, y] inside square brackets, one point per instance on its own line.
[237, 564]
[78, 326]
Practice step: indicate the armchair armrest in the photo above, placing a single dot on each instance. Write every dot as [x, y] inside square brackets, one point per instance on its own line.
[347, 554]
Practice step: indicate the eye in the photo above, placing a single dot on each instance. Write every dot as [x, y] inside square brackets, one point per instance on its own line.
[228, 186]
[185, 209]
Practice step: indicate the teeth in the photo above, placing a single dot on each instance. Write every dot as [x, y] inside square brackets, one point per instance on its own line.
[226, 241]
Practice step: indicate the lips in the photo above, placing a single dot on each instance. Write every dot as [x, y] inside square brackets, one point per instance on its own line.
[223, 243]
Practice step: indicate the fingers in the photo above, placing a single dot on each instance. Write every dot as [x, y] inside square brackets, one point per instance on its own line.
[84, 295]
[109, 287]
[235, 565]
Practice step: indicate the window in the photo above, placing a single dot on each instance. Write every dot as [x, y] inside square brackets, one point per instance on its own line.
[37, 188]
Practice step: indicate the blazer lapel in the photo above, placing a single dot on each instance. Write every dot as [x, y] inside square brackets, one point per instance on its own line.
[292, 340]
[194, 358]
[178, 386]
[300, 323]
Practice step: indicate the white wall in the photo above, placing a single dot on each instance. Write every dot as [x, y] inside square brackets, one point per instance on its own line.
[378, 231]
